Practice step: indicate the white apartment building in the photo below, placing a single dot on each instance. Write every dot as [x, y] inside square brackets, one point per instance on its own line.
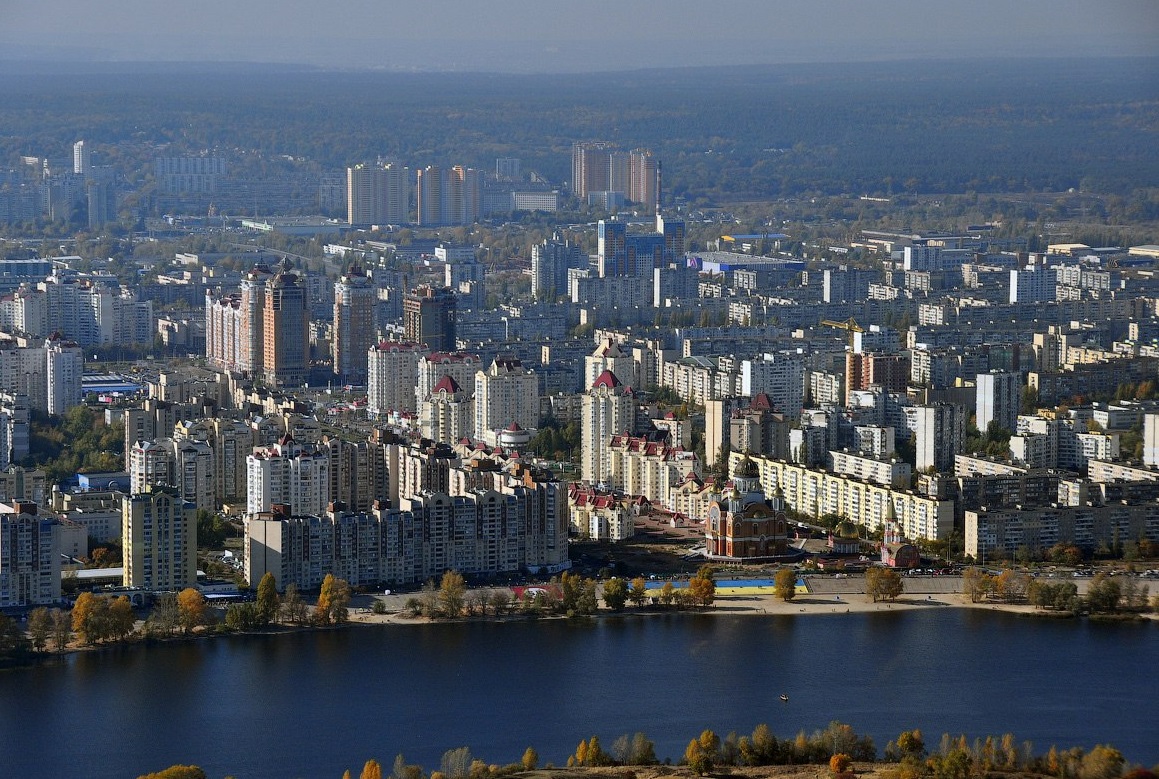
[815, 493]
[392, 371]
[609, 409]
[505, 393]
[781, 376]
[288, 474]
[187, 466]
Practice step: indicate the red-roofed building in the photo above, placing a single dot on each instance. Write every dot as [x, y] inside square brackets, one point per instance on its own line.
[609, 409]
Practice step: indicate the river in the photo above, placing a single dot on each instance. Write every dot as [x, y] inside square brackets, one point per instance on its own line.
[315, 703]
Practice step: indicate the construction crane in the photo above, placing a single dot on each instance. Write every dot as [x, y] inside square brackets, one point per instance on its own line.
[849, 325]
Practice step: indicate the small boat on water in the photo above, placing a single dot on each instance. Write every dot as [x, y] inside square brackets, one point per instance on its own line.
[784, 698]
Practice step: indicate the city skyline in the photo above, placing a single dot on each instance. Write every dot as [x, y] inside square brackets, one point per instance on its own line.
[520, 36]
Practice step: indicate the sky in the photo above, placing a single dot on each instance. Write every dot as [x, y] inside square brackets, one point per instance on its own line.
[577, 36]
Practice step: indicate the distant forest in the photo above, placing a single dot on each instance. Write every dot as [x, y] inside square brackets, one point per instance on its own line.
[723, 135]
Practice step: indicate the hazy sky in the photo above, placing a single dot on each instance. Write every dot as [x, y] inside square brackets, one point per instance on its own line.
[582, 35]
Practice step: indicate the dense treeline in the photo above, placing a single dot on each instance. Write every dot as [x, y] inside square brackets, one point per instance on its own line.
[837, 746]
[735, 133]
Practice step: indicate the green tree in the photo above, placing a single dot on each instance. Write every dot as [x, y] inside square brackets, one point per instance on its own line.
[785, 584]
[293, 607]
[61, 629]
[267, 602]
[1103, 594]
[39, 628]
[976, 583]
[13, 643]
[615, 594]
[883, 583]
[452, 594]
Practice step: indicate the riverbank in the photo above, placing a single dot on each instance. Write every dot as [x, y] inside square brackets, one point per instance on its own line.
[763, 602]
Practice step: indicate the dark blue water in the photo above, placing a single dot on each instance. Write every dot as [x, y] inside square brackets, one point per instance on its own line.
[314, 704]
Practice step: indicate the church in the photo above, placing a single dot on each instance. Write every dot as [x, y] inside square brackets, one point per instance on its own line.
[742, 525]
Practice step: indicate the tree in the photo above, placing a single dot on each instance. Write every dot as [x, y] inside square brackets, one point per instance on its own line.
[702, 753]
[615, 594]
[267, 603]
[1103, 594]
[13, 642]
[667, 594]
[911, 745]
[164, 617]
[639, 592]
[85, 618]
[61, 629]
[883, 583]
[702, 587]
[1102, 762]
[39, 627]
[191, 609]
[452, 594]
[530, 759]
[371, 770]
[333, 599]
[293, 607]
[840, 763]
[176, 772]
[977, 583]
[785, 584]
[456, 763]
[120, 618]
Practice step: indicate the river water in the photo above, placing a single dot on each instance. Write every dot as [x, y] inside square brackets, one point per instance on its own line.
[313, 704]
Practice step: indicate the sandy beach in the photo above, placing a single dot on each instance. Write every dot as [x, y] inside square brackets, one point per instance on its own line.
[826, 595]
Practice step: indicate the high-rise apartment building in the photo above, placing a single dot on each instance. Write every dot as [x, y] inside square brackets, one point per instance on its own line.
[609, 408]
[447, 414]
[999, 399]
[940, 434]
[288, 474]
[597, 167]
[159, 540]
[377, 195]
[392, 372]
[187, 466]
[65, 367]
[550, 262]
[354, 329]
[29, 556]
[429, 317]
[80, 158]
[639, 254]
[590, 168]
[233, 325]
[448, 197]
[505, 393]
[433, 366]
[285, 331]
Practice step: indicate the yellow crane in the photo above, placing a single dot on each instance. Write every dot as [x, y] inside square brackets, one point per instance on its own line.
[849, 325]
